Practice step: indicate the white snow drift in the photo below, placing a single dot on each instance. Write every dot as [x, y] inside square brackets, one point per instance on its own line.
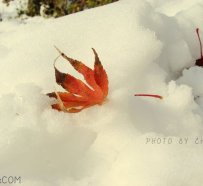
[145, 47]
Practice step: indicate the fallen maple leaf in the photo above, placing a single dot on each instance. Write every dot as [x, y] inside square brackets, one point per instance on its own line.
[199, 62]
[80, 95]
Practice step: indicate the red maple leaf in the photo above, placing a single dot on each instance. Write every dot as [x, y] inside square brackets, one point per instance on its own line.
[80, 95]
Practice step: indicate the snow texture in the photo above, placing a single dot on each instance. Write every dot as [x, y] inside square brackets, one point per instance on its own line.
[145, 46]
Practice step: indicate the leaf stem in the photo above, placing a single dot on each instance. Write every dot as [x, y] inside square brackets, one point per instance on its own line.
[150, 95]
[200, 43]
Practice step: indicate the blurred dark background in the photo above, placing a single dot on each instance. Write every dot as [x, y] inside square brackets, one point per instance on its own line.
[57, 8]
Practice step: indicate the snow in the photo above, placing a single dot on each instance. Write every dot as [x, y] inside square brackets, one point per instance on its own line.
[145, 47]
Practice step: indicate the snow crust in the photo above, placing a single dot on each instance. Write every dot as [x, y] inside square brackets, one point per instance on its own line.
[145, 47]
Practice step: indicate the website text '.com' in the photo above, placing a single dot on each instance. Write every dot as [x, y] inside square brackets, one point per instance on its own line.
[10, 180]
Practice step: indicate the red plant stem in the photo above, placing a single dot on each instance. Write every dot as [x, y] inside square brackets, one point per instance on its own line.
[200, 43]
[150, 95]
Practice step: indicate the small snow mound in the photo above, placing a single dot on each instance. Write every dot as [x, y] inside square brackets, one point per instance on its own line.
[36, 142]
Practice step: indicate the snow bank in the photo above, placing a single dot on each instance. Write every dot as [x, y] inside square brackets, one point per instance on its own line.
[142, 50]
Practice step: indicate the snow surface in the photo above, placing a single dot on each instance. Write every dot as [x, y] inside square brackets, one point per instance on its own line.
[145, 47]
